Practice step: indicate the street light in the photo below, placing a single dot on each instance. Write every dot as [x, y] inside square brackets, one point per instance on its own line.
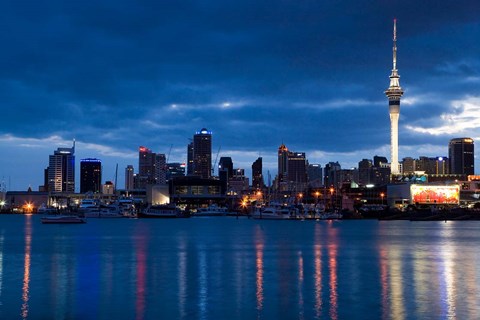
[382, 195]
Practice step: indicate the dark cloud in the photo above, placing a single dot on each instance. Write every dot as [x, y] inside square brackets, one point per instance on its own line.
[309, 72]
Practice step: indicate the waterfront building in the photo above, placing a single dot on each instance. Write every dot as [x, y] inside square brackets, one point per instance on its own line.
[61, 170]
[202, 153]
[380, 161]
[129, 180]
[90, 175]
[461, 154]
[394, 93]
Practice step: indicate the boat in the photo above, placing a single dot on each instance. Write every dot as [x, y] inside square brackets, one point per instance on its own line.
[103, 211]
[211, 211]
[62, 219]
[163, 211]
[87, 203]
[272, 213]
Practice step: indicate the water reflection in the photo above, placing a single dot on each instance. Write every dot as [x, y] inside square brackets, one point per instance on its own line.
[259, 244]
[26, 267]
[317, 254]
[332, 266]
[141, 268]
[203, 282]
[182, 276]
[300, 286]
[1, 268]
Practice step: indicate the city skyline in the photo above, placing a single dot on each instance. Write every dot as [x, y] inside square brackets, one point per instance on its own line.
[309, 75]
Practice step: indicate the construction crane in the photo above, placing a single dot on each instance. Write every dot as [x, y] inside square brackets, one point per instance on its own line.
[169, 151]
[216, 158]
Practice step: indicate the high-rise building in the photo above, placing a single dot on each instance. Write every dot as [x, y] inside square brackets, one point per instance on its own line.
[202, 154]
[129, 182]
[365, 172]
[160, 175]
[461, 154]
[282, 163]
[330, 175]
[297, 171]
[394, 93]
[315, 176]
[257, 175]
[61, 170]
[90, 175]
[146, 163]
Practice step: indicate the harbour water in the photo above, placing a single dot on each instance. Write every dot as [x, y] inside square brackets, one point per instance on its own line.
[228, 268]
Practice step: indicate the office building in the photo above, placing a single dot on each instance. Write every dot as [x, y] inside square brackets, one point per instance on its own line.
[129, 181]
[90, 175]
[202, 154]
[257, 175]
[461, 156]
[61, 170]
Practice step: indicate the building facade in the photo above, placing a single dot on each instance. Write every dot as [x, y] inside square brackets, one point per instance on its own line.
[90, 175]
[461, 154]
[202, 154]
[61, 170]
[257, 175]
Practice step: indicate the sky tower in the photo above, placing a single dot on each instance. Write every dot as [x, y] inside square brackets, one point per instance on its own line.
[394, 93]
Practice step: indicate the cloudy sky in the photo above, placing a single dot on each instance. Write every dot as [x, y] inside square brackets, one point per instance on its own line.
[114, 75]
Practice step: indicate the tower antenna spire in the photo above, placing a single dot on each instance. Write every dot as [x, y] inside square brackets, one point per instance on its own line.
[394, 44]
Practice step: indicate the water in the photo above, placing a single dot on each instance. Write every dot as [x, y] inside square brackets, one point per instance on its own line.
[224, 268]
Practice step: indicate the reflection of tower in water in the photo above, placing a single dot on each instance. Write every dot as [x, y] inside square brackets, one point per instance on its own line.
[26, 267]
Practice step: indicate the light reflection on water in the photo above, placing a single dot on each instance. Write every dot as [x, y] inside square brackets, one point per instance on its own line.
[26, 267]
[239, 269]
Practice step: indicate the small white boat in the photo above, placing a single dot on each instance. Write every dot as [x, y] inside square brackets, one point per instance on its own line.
[59, 218]
[211, 211]
[103, 211]
[272, 213]
[162, 211]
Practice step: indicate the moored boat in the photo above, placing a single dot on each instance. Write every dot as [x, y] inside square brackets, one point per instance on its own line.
[272, 213]
[163, 211]
[211, 211]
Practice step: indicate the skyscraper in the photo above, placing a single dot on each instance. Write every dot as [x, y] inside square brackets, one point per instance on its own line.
[257, 176]
[282, 163]
[129, 177]
[61, 170]
[160, 175]
[394, 93]
[297, 171]
[202, 153]
[461, 154]
[90, 175]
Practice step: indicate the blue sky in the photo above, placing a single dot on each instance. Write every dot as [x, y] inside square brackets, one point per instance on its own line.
[115, 75]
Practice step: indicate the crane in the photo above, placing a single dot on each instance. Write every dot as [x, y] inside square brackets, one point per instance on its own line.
[216, 158]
